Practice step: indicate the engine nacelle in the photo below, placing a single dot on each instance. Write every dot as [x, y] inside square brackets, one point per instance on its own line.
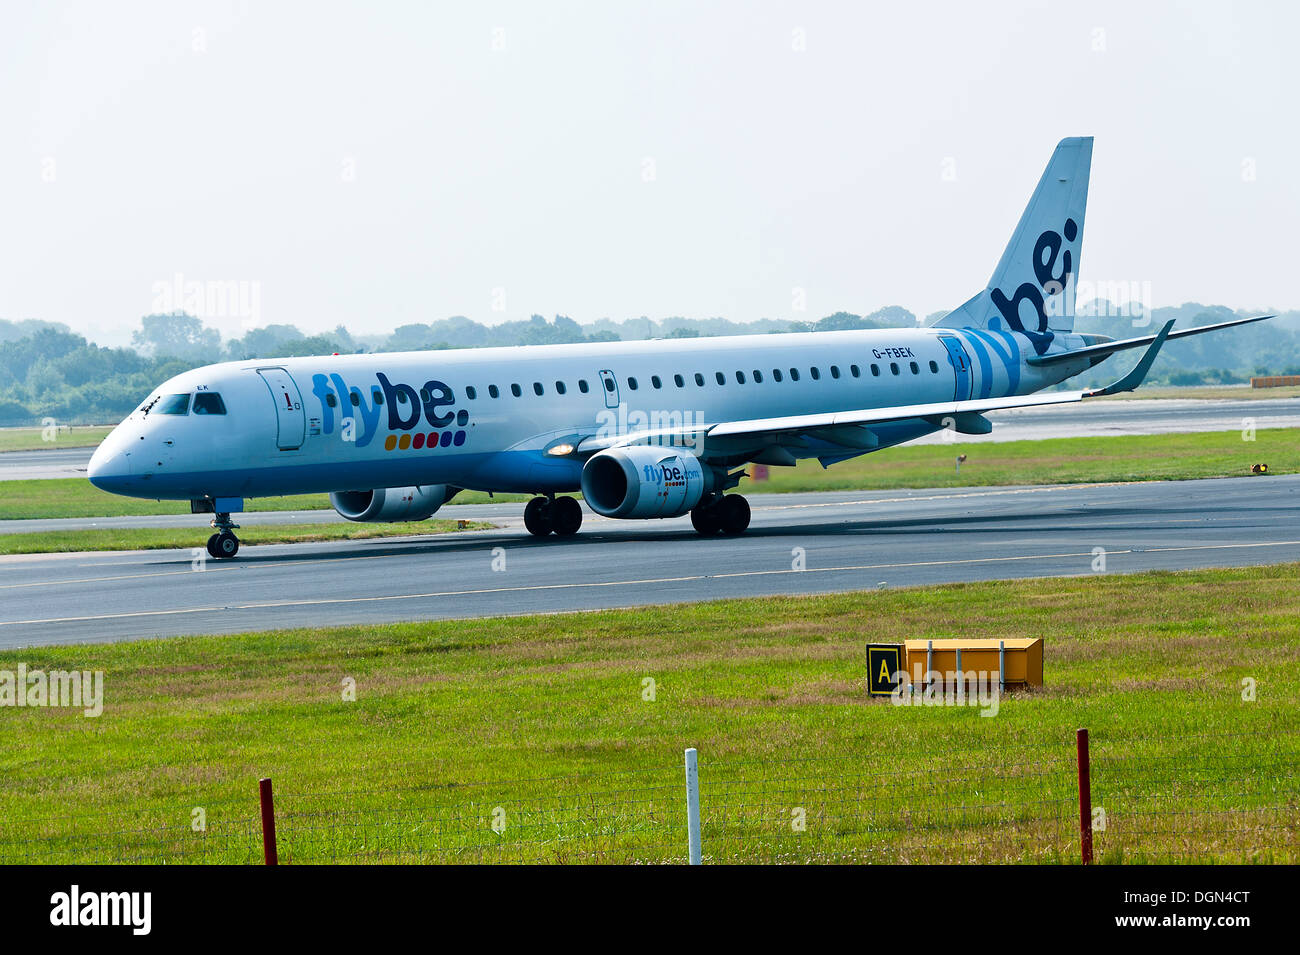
[645, 481]
[392, 503]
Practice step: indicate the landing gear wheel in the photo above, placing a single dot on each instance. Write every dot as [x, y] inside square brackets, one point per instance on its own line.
[537, 517]
[733, 512]
[566, 516]
[223, 546]
[705, 520]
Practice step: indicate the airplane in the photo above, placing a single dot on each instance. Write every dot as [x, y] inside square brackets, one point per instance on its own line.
[644, 429]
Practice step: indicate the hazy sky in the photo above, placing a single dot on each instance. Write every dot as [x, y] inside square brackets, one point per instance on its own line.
[378, 163]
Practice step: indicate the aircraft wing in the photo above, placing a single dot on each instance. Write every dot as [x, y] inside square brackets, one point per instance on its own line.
[846, 427]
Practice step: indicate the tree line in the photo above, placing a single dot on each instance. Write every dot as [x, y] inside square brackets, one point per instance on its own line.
[49, 371]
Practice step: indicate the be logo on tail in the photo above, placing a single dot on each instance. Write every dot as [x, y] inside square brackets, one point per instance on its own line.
[1049, 250]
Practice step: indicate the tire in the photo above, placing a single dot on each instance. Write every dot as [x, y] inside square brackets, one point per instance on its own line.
[227, 545]
[213, 552]
[566, 516]
[733, 510]
[537, 517]
[706, 521]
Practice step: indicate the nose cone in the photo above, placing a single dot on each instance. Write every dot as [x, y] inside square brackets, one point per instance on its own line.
[109, 468]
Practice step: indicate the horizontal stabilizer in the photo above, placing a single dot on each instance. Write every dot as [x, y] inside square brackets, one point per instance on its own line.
[1109, 348]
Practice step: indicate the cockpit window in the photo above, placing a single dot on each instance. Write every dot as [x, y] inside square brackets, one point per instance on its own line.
[173, 404]
[209, 402]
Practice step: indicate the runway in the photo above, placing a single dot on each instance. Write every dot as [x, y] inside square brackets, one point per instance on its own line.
[844, 541]
[1096, 418]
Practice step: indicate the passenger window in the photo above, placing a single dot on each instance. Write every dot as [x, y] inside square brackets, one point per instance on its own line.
[355, 397]
[816, 373]
[471, 392]
[377, 394]
[537, 388]
[794, 374]
[776, 374]
[934, 368]
[631, 384]
[559, 388]
[875, 371]
[582, 385]
[740, 377]
[835, 371]
[494, 391]
[916, 369]
[173, 404]
[424, 396]
[699, 379]
[679, 381]
[609, 384]
[855, 371]
[209, 402]
[893, 368]
[516, 391]
[758, 377]
[654, 380]
[720, 377]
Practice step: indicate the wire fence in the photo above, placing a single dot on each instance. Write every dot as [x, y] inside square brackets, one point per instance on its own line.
[1222, 798]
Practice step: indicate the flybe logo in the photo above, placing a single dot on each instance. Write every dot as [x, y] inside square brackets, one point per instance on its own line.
[671, 475]
[1048, 252]
[405, 412]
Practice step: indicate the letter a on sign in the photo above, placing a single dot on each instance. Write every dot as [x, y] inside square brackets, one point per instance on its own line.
[883, 661]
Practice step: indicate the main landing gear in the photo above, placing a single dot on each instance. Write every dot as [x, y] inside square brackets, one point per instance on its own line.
[223, 544]
[561, 515]
[727, 514]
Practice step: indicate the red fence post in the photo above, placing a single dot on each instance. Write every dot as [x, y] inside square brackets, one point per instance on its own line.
[1085, 798]
[268, 822]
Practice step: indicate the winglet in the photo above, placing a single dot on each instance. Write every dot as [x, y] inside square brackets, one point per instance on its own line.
[1139, 372]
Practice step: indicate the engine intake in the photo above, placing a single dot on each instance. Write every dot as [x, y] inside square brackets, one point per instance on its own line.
[644, 481]
[392, 503]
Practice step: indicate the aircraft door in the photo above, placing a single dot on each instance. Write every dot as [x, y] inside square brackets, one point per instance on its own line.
[609, 385]
[961, 367]
[290, 418]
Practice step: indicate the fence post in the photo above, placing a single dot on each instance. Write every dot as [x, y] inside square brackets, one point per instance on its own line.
[1085, 798]
[268, 822]
[693, 806]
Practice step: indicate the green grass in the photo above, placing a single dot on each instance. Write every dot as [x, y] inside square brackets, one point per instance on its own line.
[544, 720]
[1161, 457]
[1206, 392]
[35, 439]
[1051, 461]
[149, 538]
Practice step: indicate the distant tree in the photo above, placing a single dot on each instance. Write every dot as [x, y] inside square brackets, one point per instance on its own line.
[177, 335]
[892, 316]
[683, 333]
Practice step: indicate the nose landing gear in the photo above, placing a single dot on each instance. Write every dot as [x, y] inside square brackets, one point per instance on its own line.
[223, 544]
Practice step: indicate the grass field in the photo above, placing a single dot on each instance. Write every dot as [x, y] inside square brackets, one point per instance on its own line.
[1206, 392]
[1052, 461]
[149, 538]
[771, 691]
[34, 439]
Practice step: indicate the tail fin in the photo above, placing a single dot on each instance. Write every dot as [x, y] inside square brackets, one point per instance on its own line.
[1032, 289]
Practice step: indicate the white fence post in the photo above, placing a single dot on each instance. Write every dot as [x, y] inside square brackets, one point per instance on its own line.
[693, 806]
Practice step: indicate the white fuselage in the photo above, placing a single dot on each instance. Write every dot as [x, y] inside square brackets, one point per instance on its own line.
[483, 418]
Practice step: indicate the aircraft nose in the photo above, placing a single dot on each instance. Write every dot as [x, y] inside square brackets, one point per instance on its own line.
[109, 468]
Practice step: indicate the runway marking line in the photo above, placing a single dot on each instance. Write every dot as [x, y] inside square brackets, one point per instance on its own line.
[579, 585]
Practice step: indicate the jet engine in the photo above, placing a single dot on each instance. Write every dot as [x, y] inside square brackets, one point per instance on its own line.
[392, 503]
[644, 481]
